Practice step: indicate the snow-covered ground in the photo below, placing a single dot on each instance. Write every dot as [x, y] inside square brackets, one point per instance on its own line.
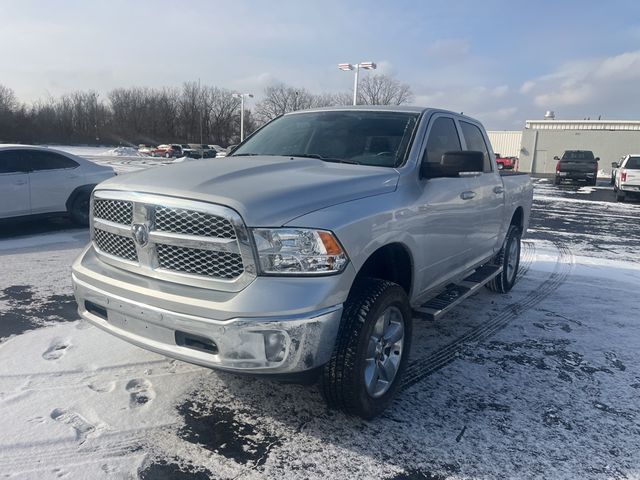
[541, 383]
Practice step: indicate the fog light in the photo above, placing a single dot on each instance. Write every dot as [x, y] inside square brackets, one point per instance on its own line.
[274, 346]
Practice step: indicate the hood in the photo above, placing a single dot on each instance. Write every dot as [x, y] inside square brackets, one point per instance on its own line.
[265, 190]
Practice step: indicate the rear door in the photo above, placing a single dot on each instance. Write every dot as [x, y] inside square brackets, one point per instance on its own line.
[489, 196]
[14, 185]
[52, 178]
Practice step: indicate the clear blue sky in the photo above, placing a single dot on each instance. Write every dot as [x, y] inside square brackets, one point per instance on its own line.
[501, 61]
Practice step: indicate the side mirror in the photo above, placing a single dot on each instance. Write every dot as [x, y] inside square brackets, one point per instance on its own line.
[453, 164]
[556, 158]
[597, 159]
[614, 165]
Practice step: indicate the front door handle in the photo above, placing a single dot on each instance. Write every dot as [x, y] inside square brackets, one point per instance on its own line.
[467, 195]
[499, 189]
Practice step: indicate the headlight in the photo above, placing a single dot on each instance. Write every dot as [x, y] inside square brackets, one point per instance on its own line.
[298, 251]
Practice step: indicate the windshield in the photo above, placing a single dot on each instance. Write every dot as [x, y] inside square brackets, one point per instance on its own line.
[579, 155]
[363, 137]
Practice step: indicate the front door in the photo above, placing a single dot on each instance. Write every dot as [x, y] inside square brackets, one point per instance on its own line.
[442, 217]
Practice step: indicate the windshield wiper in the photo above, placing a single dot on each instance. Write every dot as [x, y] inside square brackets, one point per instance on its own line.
[324, 159]
[244, 154]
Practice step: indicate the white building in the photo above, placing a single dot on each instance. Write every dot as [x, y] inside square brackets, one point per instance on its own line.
[506, 142]
[544, 139]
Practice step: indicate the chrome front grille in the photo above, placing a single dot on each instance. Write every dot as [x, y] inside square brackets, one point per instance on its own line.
[200, 262]
[191, 222]
[173, 239]
[116, 245]
[116, 211]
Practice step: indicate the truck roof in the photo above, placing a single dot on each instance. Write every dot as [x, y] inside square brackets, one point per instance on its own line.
[384, 108]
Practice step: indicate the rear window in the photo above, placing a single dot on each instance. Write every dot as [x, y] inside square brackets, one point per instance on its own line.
[579, 155]
[633, 163]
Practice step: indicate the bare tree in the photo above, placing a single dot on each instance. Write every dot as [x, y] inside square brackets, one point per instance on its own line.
[8, 105]
[383, 90]
[281, 99]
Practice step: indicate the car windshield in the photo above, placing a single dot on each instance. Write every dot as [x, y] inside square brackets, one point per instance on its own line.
[584, 156]
[633, 163]
[362, 137]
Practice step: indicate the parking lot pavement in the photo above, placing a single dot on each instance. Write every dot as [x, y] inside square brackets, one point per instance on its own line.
[540, 383]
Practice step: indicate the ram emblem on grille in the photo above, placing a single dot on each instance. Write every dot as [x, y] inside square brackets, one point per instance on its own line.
[140, 234]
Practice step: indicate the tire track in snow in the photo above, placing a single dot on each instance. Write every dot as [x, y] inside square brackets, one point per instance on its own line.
[53, 454]
[421, 368]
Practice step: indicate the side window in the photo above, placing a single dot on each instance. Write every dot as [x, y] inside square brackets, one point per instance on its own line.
[475, 141]
[39, 160]
[443, 137]
[11, 162]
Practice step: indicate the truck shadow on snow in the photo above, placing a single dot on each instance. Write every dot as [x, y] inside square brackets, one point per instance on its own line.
[36, 226]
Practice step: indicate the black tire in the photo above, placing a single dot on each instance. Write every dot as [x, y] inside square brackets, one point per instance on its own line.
[504, 282]
[343, 377]
[594, 182]
[79, 209]
[556, 181]
[167, 155]
[620, 196]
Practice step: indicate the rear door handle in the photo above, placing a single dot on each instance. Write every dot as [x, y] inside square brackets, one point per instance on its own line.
[499, 190]
[467, 195]
[20, 182]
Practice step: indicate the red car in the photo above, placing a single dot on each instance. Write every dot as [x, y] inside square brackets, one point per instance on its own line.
[506, 163]
[166, 151]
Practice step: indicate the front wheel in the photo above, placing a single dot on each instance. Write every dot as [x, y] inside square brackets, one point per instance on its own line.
[365, 370]
[509, 259]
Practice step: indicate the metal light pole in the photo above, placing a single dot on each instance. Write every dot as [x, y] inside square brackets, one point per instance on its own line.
[356, 66]
[241, 97]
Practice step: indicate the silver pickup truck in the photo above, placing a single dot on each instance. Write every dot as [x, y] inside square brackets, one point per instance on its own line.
[309, 249]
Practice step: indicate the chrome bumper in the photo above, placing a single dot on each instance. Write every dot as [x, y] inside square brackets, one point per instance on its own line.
[269, 343]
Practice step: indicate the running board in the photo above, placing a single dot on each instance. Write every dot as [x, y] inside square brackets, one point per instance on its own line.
[456, 293]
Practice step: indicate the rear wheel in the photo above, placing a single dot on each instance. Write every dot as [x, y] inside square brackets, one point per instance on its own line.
[620, 196]
[509, 259]
[556, 181]
[79, 209]
[365, 370]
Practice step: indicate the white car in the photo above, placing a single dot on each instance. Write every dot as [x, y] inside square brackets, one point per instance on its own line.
[43, 181]
[627, 180]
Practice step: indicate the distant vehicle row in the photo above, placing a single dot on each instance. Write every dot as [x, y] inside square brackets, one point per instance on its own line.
[176, 150]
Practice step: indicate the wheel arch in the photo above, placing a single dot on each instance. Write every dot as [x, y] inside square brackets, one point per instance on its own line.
[517, 219]
[82, 189]
[393, 262]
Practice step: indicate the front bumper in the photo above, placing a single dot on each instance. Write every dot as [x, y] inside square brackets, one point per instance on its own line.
[159, 316]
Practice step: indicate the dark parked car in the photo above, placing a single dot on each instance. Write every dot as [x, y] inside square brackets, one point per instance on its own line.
[577, 165]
